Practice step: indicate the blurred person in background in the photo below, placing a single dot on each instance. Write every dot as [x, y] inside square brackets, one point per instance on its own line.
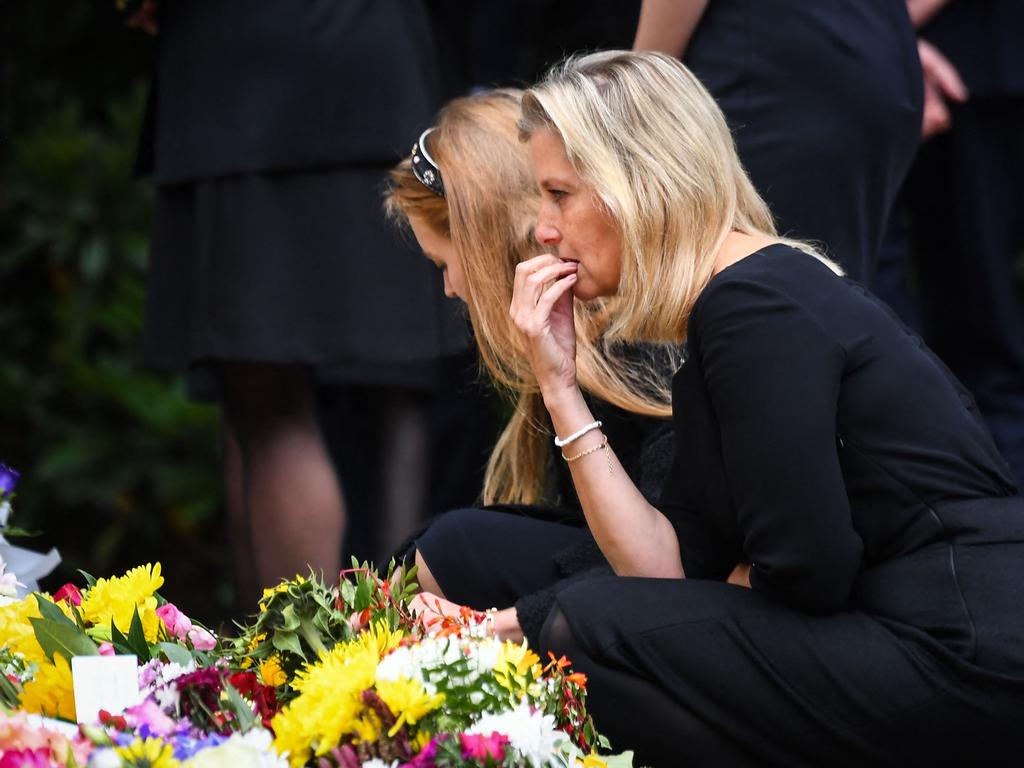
[824, 102]
[965, 199]
[270, 131]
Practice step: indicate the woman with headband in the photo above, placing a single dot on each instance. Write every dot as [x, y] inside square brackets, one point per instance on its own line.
[468, 195]
[832, 574]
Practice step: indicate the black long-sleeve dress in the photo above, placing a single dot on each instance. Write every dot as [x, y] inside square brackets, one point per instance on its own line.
[819, 440]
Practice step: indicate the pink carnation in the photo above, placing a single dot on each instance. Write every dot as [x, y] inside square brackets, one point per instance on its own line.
[177, 623]
[478, 747]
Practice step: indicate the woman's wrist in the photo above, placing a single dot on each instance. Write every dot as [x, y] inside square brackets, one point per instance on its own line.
[562, 400]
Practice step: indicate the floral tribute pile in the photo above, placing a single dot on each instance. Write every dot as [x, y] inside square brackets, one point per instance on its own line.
[331, 676]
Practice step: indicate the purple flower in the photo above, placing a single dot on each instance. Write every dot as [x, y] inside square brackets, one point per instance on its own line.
[8, 479]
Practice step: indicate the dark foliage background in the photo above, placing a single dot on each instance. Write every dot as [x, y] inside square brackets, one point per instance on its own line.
[118, 467]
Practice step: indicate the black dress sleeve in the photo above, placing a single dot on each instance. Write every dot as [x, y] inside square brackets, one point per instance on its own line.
[773, 375]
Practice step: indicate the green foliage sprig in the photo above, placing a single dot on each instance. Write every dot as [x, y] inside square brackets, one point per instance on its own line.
[302, 618]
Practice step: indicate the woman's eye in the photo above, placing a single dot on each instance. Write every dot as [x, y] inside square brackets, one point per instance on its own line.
[558, 194]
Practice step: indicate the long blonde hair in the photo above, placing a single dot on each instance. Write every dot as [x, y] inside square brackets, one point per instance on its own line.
[488, 213]
[644, 133]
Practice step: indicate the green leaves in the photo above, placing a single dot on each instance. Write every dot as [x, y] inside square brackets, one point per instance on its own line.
[56, 633]
[245, 717]
[175, 653]
[63, 638]
[304, 617]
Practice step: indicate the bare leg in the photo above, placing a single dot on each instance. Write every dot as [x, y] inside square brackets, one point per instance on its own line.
[290, 493]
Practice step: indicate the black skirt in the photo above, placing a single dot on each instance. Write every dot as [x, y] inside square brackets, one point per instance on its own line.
[296, 267]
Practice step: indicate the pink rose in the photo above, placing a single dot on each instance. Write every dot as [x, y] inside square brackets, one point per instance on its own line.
[177, 623]
[478, 747]
[106, 649]
[201, 639]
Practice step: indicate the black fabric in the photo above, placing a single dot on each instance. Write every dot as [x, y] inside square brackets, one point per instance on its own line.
[290, 268]
[468, 552]
[824, 100]
[246, 87]
[821, 441]
[982, 39]
[970, 179]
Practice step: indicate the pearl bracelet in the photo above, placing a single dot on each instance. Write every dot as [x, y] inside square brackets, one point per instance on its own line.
[561, 442]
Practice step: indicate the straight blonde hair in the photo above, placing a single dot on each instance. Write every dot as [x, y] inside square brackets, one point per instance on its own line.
[488, 212]
[644, 133]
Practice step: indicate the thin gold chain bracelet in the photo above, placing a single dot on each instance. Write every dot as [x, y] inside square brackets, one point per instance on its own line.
[581, 454]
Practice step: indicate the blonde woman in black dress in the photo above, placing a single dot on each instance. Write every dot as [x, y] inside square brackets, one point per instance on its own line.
[831, 576]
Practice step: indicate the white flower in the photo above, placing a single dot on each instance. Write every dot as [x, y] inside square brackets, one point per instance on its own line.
[532, 734]
[416, 661]
[8, 581]
[5, 512]
[155, 680]
[104, 757]
[243, 750]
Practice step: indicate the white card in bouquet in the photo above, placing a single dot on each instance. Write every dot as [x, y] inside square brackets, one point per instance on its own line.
[104, 682]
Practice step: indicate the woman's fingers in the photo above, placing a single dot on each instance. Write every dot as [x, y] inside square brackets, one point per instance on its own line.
[530, 288]
[550, 296]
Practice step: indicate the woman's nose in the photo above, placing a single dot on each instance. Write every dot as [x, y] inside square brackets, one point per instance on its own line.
[546, 234]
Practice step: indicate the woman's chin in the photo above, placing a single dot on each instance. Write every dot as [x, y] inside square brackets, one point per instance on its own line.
[585, 290]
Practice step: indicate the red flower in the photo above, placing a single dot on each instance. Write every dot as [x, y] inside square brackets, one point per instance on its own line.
[264, 697]
[114, 721]
[69, 594]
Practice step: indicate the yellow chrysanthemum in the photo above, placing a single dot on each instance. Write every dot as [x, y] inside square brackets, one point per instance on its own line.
[16, 631]
[148, 753]
[593, 761]
[385, 640]
[271, 672]
[117, 598]
[408, 700]
[51, 692]
[513, 662]
[329, 705]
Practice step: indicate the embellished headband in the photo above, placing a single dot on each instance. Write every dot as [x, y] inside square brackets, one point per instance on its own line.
[423, 165]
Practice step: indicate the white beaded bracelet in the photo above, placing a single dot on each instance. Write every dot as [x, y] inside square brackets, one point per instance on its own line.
[561, 442]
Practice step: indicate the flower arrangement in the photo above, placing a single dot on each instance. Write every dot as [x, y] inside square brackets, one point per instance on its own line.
[331, 676]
